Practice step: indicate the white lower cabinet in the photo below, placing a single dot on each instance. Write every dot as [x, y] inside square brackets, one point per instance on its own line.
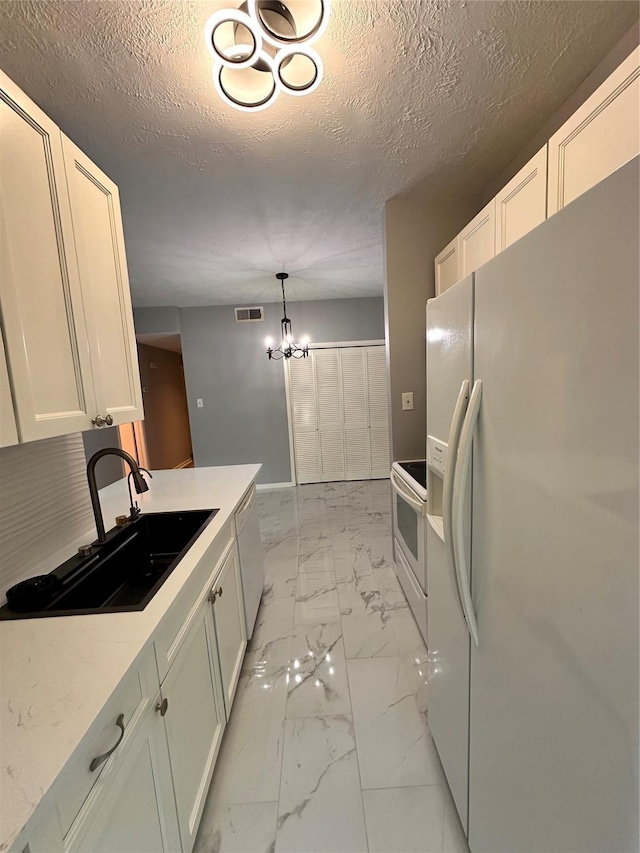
[194, 720]
[139, 780]
[231, 629]
[132, 809]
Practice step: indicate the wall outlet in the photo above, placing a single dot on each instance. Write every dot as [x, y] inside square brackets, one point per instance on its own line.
[200, 403]
[407, 401]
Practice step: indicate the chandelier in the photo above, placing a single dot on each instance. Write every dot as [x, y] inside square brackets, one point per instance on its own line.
[288, 348]
[263, 48]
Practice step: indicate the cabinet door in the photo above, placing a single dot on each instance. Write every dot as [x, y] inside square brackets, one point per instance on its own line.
[477, 242]
[97, 223]
[522, 203]
[378, 402]
[194, 720]
[132, 809]
[304, 416]
[42, 309]
[601, 136]
[231, 629]
[8, 430]
[330, 415]
[447, 267]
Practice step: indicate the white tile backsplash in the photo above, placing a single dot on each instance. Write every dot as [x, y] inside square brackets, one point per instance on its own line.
[44, 505]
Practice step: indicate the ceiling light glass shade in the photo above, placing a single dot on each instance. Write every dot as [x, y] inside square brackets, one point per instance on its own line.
[298, 69]
[310, 19]
[247, 89]
[233, 38]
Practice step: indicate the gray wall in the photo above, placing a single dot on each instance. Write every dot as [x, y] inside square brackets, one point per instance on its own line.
[244, 418]
[157, 321]
[415, 231]
[109, 468]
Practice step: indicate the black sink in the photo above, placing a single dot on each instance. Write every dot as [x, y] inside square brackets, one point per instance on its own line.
[125, 572]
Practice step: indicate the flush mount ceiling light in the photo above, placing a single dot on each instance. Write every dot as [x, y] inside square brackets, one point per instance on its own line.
[263, 48]
[288, 348]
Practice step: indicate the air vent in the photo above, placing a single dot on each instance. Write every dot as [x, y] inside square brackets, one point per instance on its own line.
[249, 315]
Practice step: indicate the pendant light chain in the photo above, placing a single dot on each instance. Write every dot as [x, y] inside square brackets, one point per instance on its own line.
[287, 348]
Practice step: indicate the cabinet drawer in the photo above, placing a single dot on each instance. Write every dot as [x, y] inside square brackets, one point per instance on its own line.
[175, 625]
[130, 699]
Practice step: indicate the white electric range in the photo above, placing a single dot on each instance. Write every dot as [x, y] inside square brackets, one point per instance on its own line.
[409, 482]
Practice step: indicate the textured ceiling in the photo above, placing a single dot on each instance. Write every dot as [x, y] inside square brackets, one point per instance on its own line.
[417, 93]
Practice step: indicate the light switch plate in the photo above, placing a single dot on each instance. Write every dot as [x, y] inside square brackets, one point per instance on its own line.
[200, 403]
[407, 401]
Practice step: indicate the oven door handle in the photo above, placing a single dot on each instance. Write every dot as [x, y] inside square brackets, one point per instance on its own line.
[402, 489]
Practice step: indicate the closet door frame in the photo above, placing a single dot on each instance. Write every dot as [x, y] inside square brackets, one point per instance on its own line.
[287, 386]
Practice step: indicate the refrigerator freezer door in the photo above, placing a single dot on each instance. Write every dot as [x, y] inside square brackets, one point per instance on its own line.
[449, 362]
[554, 682]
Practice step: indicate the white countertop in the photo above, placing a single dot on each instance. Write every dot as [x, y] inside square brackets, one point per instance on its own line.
[56, 673]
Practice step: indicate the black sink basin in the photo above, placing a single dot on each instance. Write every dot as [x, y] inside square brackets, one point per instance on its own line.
[124, 573]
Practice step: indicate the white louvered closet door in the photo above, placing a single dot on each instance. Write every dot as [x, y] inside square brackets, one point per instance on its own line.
[330, 413]
[304, 416]
[378, 413]
[356, 416]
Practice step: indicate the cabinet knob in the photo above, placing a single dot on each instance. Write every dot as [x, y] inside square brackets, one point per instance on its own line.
[162, 706]
[109, 420]
[98, 421]
[213, 594]
[220, 592]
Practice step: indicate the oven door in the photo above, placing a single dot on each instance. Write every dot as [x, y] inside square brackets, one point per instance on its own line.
[409, 528]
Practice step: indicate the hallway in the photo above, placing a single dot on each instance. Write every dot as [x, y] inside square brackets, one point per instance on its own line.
[327, 748]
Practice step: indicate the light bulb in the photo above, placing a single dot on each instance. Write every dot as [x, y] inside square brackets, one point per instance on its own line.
[304, 342]
[268, 342]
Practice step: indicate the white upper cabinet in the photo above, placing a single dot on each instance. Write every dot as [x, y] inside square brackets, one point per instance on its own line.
[40, 296]
[601, 136]
[447, 267]
[8, 429]
[477, 242]
[65, 305]
[97, 224]
[522, 204]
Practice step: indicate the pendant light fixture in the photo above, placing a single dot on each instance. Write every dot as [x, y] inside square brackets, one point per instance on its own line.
[264, 48]
[288, 348]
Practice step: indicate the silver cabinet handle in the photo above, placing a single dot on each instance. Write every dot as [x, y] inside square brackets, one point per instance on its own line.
[102, 758]
[214, 594]
[98, 421]
[162, 706]
[108, 420]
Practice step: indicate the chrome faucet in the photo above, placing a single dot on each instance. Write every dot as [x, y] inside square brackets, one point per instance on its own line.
[139, 483]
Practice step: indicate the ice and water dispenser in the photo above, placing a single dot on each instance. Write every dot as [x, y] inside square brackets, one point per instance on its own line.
[437, 453]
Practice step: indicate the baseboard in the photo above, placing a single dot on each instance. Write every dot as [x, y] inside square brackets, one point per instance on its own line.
[188, 463]
[263, 487]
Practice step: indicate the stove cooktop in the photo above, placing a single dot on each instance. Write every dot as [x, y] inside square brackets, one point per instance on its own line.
[417, 470]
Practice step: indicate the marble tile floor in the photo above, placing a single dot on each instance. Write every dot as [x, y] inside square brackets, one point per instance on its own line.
[328, 748]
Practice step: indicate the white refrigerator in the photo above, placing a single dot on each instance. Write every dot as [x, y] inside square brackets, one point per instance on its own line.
[533, 542]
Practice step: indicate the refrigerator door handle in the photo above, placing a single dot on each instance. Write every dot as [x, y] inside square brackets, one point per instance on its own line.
[447, 486]
[460, 480]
